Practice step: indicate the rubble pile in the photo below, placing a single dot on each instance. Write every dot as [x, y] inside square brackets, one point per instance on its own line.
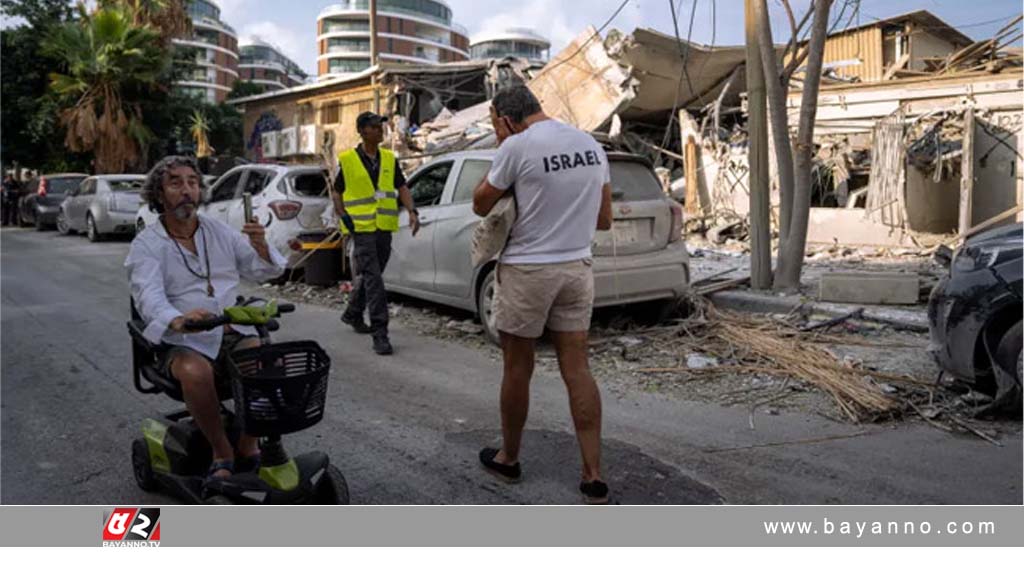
[934, 144]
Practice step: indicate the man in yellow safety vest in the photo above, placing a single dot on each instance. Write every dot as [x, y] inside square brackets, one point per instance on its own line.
[367, 190]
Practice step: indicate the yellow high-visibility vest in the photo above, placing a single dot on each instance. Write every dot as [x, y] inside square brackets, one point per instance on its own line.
[371, 208]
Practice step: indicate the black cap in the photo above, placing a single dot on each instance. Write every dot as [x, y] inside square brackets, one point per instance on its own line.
[367, 118]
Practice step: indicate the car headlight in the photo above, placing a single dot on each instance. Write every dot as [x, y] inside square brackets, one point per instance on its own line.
[972, 258]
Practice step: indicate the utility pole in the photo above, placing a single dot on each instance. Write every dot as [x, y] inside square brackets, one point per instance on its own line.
[373, 54]
[757, 158]
[373, 32]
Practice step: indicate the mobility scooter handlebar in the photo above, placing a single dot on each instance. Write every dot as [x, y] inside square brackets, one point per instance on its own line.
[244, 314]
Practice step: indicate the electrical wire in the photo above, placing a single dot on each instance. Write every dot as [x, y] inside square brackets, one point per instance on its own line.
[585, 44]
[684, 52]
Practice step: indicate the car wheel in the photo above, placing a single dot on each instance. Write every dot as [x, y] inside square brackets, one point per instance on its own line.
[90, 229]
[1006, 364]
[21, 219]
[39, 222]
[62, 224]
[485, 307]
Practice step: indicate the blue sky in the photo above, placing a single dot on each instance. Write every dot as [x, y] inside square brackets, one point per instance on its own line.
[291, 24]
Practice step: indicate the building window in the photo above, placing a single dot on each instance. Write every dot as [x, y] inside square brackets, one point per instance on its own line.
[331, 113]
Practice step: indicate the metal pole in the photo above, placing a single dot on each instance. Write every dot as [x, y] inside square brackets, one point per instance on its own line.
[374, 60]
[373, 32]
[757, 158]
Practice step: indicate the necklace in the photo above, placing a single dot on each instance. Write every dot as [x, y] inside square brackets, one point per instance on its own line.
[206, 257]
[373, 160]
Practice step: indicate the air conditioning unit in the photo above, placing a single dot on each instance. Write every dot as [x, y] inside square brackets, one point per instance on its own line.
[287, 142]
[308, 141]
[269, 141]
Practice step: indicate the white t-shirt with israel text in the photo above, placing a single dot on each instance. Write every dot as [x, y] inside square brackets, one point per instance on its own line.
[558, 172]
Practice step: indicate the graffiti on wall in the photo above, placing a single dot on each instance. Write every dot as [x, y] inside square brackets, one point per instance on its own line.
[267, 122]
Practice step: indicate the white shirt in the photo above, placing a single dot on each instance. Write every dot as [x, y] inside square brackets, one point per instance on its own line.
[558, 172]
[163, 287]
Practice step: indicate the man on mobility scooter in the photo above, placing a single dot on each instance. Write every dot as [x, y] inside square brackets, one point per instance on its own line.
[183, 273]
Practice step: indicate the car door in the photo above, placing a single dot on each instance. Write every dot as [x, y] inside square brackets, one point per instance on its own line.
[224, 192]
[453, 231]
[254, 182]
[412, 258]
[28, 191]
[79, 205]
[69, 204]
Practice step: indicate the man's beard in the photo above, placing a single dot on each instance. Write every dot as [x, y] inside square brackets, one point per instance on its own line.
[184, 210]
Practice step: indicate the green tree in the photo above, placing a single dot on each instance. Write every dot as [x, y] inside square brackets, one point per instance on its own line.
[32, 136]
[245, 88]
[168, 17]
[107, 65]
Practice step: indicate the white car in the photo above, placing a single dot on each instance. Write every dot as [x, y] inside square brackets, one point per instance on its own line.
[288, 200]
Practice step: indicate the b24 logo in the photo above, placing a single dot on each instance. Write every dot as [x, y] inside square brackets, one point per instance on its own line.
[132, 527]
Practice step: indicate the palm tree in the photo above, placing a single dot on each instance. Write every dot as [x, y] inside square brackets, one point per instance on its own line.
[169, 17]
[200, 129]
[104, 58]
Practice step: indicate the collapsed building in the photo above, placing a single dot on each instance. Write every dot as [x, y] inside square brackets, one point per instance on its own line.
[917, 129]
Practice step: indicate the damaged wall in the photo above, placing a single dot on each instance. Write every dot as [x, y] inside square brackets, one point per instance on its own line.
[932, 207]
[997, 165]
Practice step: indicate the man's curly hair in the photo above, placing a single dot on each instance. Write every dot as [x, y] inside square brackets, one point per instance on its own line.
[153, 189]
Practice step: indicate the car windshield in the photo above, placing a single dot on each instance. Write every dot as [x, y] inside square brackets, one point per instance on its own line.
[59, 186]
[634, 181]
[133, 186]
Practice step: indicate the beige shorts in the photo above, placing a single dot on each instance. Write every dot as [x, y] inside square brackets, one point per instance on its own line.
[530, 297]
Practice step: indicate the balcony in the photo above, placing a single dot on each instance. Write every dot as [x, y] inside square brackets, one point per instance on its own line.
[399, 7]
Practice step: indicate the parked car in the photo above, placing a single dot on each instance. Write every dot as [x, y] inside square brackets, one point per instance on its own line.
[41, 198]
[642, 259]
[102, 205]
[975, 316]
[288, 200]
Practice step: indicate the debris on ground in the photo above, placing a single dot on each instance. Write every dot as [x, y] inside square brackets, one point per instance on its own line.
[853, 369]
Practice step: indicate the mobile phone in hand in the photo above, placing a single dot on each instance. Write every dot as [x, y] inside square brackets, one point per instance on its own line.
[247, 204]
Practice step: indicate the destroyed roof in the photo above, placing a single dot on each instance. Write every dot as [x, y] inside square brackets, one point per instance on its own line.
[924, 19]
[656, 60]
[330, 83]
[392, 68]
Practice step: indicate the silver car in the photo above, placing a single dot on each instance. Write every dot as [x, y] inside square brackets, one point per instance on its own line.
[102, 205]
[643, 258]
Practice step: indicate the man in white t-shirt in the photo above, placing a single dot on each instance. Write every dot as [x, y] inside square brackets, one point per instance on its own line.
[562, 188]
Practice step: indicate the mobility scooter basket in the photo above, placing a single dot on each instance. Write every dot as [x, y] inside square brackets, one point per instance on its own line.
[279, 388]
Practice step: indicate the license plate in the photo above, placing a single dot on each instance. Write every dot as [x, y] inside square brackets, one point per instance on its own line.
[626, 232]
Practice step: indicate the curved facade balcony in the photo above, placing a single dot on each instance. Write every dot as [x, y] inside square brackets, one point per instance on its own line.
[217, 54]
[434, 10]
[263, 63]
[410, 30]
[516, 42]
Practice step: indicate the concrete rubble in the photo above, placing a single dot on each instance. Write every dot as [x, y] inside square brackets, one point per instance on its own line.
[904, 164]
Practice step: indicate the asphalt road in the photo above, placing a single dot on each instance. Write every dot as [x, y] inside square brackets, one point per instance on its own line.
[406, 429]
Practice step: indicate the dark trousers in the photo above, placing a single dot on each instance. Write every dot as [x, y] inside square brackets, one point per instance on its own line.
[371, 252]
[9, 209]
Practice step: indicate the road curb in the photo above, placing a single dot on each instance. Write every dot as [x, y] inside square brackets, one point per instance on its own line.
[906, 318]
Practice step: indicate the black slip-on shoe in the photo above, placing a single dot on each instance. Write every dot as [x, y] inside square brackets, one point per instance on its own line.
[595, 492]
[358, 325]
[510, 473]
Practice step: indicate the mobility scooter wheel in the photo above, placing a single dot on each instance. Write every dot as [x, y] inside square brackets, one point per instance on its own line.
[332, 488]
[141, 466]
